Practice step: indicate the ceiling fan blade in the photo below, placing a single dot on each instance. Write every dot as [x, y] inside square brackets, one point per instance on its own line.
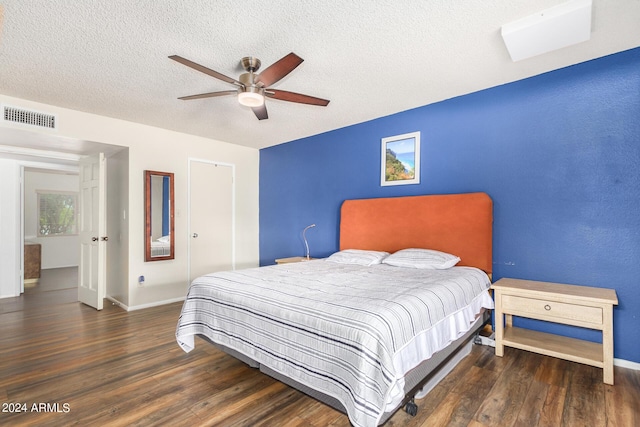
[209, 94]
[284, 95]
[260, 112]
[205, 70]
[279, 69]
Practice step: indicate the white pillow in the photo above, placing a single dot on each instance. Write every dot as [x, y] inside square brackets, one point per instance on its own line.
[358, 257]
[164, 239]
[422, 258]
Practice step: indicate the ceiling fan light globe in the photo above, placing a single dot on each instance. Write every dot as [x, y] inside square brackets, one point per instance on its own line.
[250, 99]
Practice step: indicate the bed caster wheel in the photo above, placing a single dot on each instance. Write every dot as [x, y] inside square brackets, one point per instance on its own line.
[411, 408]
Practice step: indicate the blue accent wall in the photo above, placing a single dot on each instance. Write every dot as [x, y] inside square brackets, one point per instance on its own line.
[558, 153]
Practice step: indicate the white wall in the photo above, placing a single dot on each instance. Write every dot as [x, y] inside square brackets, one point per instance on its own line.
[57, 251]
[10, 228]
[162, 150]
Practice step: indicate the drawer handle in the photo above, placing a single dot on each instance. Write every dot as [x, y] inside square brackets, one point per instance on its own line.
[547, 307]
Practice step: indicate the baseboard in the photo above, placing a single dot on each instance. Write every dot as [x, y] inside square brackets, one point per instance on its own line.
[30, 283]
[60, 266]
[626, 364]
[142, 306]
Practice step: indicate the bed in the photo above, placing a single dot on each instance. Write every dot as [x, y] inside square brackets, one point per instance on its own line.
[161, 246]
[362, 330]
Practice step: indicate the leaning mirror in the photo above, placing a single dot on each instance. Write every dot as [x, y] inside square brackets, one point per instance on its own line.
[158, 201]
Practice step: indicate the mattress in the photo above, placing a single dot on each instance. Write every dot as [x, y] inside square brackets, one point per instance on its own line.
[351, 332]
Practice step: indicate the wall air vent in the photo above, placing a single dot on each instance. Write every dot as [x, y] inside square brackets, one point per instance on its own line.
[27, 117]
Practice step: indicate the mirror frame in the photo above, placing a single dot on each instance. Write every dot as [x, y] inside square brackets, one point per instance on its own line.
[147, 215]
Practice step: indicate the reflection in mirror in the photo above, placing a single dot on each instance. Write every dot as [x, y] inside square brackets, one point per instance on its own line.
[159, 201]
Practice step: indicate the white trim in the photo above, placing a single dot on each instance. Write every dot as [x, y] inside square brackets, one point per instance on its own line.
[143, 306]
[20, 287]
[74, 169]
[34, 152]
[626, 364]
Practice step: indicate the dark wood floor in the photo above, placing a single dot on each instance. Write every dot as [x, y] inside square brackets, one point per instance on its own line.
[64, 281]
[122, 369]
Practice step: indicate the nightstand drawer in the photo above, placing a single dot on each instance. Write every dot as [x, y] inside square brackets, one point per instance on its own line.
[551, 310]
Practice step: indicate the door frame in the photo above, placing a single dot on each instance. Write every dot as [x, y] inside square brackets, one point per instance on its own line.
[191, 160]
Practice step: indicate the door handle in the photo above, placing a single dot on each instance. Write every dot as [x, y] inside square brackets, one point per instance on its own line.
[195, 235]
[94, 239]
[105, 238]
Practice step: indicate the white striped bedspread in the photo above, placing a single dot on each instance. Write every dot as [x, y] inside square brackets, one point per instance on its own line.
[349, 331]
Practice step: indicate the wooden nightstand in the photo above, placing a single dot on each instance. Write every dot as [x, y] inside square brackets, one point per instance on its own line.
[582, 306]
[292, 259]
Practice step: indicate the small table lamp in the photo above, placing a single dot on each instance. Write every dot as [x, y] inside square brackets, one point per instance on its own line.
[304, 237]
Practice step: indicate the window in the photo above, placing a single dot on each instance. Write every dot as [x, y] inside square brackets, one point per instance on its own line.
[57, 213]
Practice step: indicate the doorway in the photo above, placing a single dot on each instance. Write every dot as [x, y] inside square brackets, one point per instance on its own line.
[20, 149]
[50, 237]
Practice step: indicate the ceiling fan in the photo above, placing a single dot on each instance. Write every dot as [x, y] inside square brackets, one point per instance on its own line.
[252, 88]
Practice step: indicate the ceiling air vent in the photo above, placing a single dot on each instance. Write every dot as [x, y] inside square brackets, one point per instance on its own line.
[26, 117]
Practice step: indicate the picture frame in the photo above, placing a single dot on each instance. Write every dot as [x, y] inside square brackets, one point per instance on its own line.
[400, 159]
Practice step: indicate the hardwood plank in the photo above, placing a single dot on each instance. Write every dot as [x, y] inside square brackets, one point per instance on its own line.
[436, 397]
[238, 409]
[554, 371]
[316, 414]
[437, 403]
[585, 403]
[551, 411]
[462, 402]
[529, 414]
[622, 405]
[505, 399]
[119, 369]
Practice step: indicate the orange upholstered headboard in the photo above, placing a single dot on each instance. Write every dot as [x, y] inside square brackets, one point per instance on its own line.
[459, 224]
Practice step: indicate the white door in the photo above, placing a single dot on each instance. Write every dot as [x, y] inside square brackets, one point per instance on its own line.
[211, 212]
[92, 229]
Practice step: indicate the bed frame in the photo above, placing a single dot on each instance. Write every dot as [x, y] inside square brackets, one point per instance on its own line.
[460, 224]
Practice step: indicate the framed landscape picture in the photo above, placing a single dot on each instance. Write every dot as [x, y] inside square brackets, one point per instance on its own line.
[400, 159]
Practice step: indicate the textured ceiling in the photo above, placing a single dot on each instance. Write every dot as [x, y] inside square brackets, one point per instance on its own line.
[370, 59]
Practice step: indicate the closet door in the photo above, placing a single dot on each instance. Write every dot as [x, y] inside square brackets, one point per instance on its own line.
[211, 218]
